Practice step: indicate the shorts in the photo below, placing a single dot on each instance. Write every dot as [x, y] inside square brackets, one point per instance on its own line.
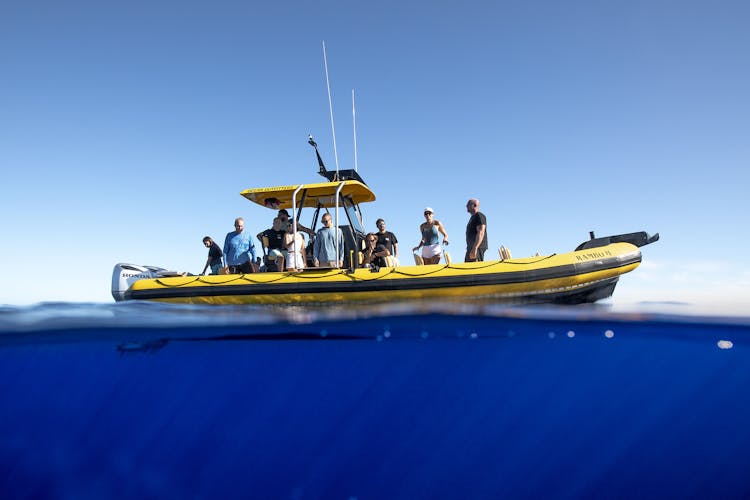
[429, 251]
[244, 268]
[274, 253]
[295, 261]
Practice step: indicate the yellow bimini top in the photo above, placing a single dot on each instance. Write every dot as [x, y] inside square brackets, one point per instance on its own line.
[321, 194]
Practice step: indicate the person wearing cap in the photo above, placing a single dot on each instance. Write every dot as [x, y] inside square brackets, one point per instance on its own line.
[430, 242]
[476, 233]
[285, 222]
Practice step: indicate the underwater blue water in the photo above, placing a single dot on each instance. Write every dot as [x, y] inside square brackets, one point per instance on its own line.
[141, 400]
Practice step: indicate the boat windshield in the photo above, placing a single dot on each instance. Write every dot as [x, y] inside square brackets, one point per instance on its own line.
[353, 214]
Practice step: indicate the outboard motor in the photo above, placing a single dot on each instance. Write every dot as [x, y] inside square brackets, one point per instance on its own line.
[125, 275]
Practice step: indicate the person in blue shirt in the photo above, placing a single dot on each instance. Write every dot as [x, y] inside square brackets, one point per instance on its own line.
[239, 249]
[324, 249]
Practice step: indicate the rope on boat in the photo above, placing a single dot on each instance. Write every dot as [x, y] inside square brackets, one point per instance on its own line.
[379, 276]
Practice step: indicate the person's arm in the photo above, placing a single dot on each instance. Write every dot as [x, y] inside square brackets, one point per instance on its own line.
[381, 251]
[441, 230]
[341, 248]
[208, 261]
[395, 249]
[225, 251]
[421, 242]
[251, 249]
[478, 241]
[316, 250]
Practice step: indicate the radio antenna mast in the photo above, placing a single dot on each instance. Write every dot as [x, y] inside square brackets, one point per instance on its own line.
[330, 108]
[354, 126]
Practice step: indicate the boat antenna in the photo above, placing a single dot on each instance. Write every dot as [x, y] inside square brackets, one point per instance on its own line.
[330, 108]
[354, 126]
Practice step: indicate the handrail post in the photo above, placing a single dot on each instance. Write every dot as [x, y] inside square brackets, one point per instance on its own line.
[294, 220]
[338, 191]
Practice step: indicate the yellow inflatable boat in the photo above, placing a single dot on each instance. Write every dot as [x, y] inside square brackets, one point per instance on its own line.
[587, 274]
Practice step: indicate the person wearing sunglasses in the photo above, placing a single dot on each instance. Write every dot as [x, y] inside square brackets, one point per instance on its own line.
[430, 242]
[375, 253]
[387, 238]
[326, 241]
[476, 233]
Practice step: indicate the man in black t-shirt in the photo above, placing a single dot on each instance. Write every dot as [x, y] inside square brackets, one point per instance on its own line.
[275, 237]
[387, 238]
[476, 233]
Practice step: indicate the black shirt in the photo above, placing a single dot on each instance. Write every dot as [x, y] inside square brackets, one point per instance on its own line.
[215, 254]
[476, 220]
[275, 238]
[387, 239]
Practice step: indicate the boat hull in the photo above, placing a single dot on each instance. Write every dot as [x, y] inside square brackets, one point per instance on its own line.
[575, 277]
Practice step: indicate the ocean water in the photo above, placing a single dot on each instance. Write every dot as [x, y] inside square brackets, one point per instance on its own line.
[146, 400]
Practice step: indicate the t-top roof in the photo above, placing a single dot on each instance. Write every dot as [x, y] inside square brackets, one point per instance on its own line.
[322, 193]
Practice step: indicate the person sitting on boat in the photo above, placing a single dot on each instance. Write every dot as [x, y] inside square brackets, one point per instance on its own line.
[239, 250]
[430, 242]
[274, 238]
[387, 239]
[215, 255]
[375, 253]
[295, 250]
[326, 241]
[476, 233]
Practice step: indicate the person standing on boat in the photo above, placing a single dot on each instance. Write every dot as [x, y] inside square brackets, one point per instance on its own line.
[239, 250]
[214, 256]
[430, 242]
[476, 233]
[326, 241]
[295, 250]
[387, 239]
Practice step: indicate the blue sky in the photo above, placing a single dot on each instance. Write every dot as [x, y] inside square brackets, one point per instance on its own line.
[128, 129]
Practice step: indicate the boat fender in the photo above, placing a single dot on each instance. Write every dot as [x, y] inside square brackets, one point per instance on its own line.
[418, 260]
[447, 258]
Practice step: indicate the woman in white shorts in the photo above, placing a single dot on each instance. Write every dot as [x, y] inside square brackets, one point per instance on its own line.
[430, 242]
[295, 257]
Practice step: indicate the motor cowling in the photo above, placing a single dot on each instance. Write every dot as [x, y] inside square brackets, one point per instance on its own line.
[124, 275]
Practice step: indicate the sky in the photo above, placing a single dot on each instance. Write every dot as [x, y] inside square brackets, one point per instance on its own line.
[128, 129]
